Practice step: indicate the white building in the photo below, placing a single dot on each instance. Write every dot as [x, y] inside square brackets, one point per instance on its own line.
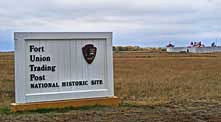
[194, 49]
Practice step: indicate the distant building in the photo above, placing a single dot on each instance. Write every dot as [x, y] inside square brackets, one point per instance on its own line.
[195, 47]
[170, 45]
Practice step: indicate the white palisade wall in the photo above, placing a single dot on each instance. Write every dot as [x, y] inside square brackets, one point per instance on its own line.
[194, 49]
[65, 52]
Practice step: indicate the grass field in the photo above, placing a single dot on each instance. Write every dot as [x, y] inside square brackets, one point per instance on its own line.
[153, 86]
[157, 78]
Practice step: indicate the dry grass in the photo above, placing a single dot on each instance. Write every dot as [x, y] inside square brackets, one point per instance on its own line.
[150, 78]
[170, 87]
[147, 78]
[6, 66]
[6, 78]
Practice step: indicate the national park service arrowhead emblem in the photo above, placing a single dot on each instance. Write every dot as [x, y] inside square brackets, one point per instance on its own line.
[89, 52]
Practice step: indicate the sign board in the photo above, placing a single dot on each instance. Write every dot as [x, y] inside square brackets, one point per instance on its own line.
[52, 66]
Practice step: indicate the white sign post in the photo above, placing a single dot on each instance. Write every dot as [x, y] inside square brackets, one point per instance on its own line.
[53, 66]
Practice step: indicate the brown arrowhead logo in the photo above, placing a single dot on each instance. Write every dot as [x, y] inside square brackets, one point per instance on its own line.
[89, 52]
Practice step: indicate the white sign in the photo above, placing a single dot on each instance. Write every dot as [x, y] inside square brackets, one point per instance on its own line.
[53, 66]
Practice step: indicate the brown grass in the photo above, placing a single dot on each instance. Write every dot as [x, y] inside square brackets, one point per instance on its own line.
[6, 78]
[147, 78]
[155, 78]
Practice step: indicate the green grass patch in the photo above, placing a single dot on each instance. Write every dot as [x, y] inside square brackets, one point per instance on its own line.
[62, 110]
[128, 104]
[5, 110]
[6, 80]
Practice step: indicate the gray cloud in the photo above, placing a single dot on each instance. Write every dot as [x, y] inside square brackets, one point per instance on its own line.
[158, 19]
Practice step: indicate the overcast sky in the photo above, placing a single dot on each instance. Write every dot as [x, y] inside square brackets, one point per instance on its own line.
[148, 23]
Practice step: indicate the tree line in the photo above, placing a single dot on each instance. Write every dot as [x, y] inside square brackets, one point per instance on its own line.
[136, 48]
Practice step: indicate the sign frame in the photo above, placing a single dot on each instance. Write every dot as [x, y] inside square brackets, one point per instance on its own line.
[20, 72]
